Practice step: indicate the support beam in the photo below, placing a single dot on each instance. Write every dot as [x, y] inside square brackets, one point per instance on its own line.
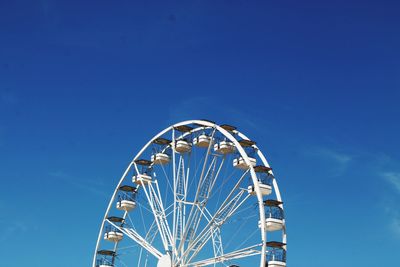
[238, 254]
[131, 233]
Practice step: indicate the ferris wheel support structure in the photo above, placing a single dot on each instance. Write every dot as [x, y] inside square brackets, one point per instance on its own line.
[186, 226]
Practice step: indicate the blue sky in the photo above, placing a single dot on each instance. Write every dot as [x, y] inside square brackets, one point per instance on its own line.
[84, 85]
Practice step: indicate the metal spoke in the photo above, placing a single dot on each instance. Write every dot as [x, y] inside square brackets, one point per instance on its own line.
[130, 232]
[224, 212]
[185, 216]
[193, 209]
[241, 253]
[158, 213]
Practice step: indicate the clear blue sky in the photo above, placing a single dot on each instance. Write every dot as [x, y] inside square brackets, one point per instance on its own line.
[84, 84]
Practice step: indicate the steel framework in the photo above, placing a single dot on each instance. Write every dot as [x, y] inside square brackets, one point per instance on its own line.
[183, 211]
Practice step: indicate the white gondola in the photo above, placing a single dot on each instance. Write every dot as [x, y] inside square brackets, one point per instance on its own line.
[264, 188]
[202, 140]
[273, 215]
[241, 164]
[105, 259]
[160, 158]
[126, 205]
[113, 236]
[272, 224]
[138, 179]
[276, 264]
[183, 146]
[126, 199]
[224, 147]
[276, 254]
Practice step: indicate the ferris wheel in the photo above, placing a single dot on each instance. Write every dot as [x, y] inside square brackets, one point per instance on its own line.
[197, 194]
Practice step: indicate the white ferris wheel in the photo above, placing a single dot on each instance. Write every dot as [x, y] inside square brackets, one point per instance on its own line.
[197, 194]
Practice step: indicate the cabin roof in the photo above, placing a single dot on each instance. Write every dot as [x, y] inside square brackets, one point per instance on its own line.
[261, 168]
[161, 141]
[115, 219]
[143, 162]
[275, 244]
[228, 127]
[246, 143]
[106, 252]
[127, 188]
[272, 202]
[183, 128]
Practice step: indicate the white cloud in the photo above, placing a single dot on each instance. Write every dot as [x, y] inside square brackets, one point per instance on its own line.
[338, 157]
[391, 204]
[334, 162]
[395, 225]
[10, 230]
[91, 186]
[393, 178]
[393, 217]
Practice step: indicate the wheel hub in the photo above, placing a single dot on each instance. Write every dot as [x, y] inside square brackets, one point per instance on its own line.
[164, 261]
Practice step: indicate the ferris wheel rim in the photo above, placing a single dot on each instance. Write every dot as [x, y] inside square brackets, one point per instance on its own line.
[243, 154]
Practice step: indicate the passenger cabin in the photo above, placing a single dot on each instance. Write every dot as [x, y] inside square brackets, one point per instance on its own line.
[183, 146]
[276, 254]
[273, 215]
[160, 156]
[224, 147]
[111, 232]
[250, 150]
[264, 181]
[202, 140]
[105, 258]
[127, 198]
[142, 178]
[241, 164]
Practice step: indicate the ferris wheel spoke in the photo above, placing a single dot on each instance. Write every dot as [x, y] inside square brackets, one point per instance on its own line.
[193, 211]
[150, 236]
[195, 207]
[158, 211]
[130, 232]
[229, 204]
[122, 262]
[163, 215]
[174, 180]
[237, 254]
[217, 243]
[215, 225]
[232, 203]
[180, 192]
[206, 189]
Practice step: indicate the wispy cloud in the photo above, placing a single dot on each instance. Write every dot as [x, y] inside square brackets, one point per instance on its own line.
[11, 229]
[334, 161]
[393, 178]
[395, 225]
[337, 157]
[393, 217]
[92, 186]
